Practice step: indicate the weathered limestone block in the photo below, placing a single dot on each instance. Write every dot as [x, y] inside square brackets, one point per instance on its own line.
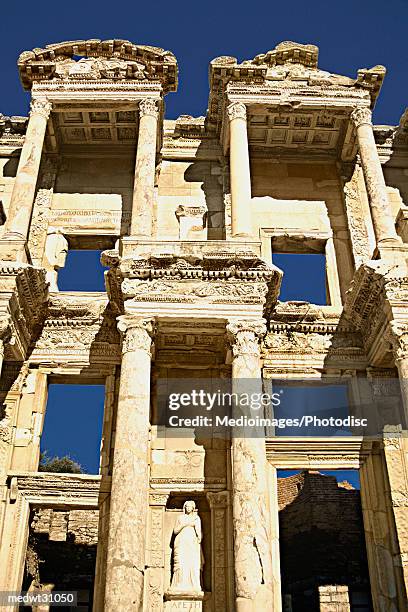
[192, 221]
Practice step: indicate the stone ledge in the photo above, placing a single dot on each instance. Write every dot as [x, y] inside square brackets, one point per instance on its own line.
[52, 489]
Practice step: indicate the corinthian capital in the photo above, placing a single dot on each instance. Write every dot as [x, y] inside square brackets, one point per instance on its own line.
[236, 110]
[244, 336]
[360, 116]
[40, 106]
[148, 107]
[137, 333]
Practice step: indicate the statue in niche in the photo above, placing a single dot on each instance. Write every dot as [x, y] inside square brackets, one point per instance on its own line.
[187, 554]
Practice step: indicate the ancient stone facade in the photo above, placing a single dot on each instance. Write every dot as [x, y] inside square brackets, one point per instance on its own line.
[188, 214]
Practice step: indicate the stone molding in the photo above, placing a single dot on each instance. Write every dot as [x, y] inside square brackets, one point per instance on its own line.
[318, 453]
[40, 106]
[137, 333]
[361, 116]
[237, 110]
[148, 107]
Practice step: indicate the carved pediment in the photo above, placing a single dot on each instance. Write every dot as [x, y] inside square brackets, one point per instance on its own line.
[90, 60]
[288, 70]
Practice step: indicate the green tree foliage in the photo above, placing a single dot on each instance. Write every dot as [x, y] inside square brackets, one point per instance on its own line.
[62, 465]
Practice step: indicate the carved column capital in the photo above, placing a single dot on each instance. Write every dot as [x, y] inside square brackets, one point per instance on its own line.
[148, 107]
[397, 335]
[244, 336]
[360, 116]
[137, 333]
[40, 106]
[158, 499]
[217, 500]
[236, 110]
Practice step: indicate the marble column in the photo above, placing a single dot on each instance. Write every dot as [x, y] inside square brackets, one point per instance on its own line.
[22, 196]
[384, 224]
[143, 189]
[240, 175]
[125, 566]
[251, 512]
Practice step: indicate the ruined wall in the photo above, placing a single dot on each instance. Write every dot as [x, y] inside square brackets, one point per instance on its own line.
[321, 532]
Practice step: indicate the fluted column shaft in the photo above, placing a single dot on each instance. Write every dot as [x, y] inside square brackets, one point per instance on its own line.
[240, 175]
[143, 189]
[251, 514]
[384, 224]
[22, 196]
[130, 478]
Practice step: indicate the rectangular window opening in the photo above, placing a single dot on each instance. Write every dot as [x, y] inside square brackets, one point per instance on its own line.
[71, 437]
[323, 554]
[83, 270]
[304, 269]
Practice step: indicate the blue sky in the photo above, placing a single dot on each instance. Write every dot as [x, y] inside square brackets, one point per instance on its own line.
[352, 476]
[351, 34]
[73, 424]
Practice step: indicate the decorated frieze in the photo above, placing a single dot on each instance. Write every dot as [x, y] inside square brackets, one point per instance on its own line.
[290, 341]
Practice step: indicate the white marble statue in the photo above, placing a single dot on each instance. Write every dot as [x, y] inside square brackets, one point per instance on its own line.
[187, 560]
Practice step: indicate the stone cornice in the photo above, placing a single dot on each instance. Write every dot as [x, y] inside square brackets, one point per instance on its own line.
[52, 489]
[318, 453]
[109, 59]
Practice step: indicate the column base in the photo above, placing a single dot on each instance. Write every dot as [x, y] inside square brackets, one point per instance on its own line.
[14, 248]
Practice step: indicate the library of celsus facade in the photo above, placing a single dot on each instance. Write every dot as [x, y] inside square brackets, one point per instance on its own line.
[188, 215]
